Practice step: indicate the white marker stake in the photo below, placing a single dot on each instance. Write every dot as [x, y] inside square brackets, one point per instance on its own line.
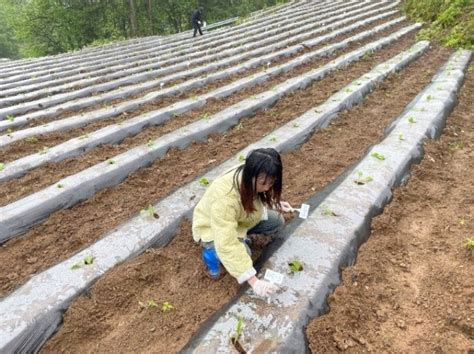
[304, 211]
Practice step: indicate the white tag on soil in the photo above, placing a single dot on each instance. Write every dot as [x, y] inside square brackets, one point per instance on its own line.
[304, 211]
[274, 277]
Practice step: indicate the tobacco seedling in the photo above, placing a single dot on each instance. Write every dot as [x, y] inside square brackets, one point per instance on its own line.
[411, 120]
[10, 118]
[59, 185]
[206, 117]
[295, 266]
[326, 211]
[366, 56]
[88, 260]
[31, 139]
[150, 143]
[401, 137]
[296, 125]
[203, 181]
[361, 180]
[469, 243]
[149, 211]
[85, 136]
[253, 97]
[110, 162]
[378, 155]
[457, 145]
[429, 98]
[166, 307]
[273, 138]
[2, 166]
[239, 126]
[238, 330]
[195, 98]
[461, 221]
[348, 90]
[241, 158]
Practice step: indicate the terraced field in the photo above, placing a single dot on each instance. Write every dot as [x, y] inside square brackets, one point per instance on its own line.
[343, 89]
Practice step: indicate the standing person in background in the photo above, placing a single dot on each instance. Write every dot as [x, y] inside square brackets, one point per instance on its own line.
[196, 20]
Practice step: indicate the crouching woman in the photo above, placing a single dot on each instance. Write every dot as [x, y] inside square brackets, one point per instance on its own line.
[237, 204]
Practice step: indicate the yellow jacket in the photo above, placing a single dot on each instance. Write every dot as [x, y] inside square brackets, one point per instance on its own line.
[220, 217]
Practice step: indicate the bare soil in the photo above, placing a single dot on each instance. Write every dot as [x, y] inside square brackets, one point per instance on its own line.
[68, 231]
[412, 288]
[109, 318]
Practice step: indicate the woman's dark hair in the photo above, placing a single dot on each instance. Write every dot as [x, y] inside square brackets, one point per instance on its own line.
[260, 161]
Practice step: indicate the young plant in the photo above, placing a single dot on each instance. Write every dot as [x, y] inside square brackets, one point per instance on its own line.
[195, 98]
[457, 145]
[150, 143]
[206, 117]
[238, 331]
[43, 151]
[166, 307]
[31, 139]
[361, 180]
[88, 260]
[10, 118]
[326, 211]
[85, 136]
[348, 90]
[150, 211]
[296, 125]
[203, 181]
[273, 138]
[401, 137]
[59, 185]
[110, 162]
[469, 244]
[239, 126]
[295, 266]
[2, 166]
[429, 98]
[378, 155]
[150, 304]
[241, 158]
[411, 120]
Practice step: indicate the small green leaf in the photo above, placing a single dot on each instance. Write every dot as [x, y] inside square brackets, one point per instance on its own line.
[59, 185]
[166, 306]
[239, 126]
[150, 143]
[85, 136]
[295, 266]
[10, 118]
[241, 158]
[206, 117]
[273, 138]
[31, 139]
[150, 211]
[43, 151]
[411, 120]
[429, 98]
[88, 260]
[378, 155]
[469, 243]
[203, 181]
[76, 265]
[401, 137]
[326, 211]
[2, 166]
[151, 304]
[296, 125]
[110, 162]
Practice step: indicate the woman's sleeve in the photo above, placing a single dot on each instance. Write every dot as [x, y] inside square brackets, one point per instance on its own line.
[231, 251]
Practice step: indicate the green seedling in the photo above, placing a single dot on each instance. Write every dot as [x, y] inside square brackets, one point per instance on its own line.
[378, 155]
[203, 181]
[149, 211]
[195, 98]
[206, 117]
[31, 139]
[85, 136]
[469, 244]
[175, 115]
[43, 151]
[9, 130]
[88, 260]
[238, 331]
[348, 90]
[295, 266]
[2, 166]
[462, 222]
[10, 118]
[273, 138]
[401, 137]
[411, 120]
[150, 143]
[361, 180]
[59, 185]
[241, 158]
[429, 98]
[457, 145]
[296, 125]
[166, 307]
[239, 126]
[367, 56]
[253, 97]
[110, 162]
[326, 211]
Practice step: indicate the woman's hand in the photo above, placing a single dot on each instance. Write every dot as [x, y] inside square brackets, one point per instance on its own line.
[262, 288]
[286, 207]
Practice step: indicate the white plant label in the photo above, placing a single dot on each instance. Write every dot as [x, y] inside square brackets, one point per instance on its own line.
[304, 211]
[273, 277]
